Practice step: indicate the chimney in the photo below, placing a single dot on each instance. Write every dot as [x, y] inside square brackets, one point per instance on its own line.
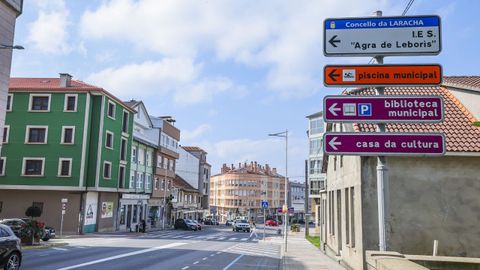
[255, 167]
[65, 80]
[239, 165]
[274, 170]
[233, 167]
[267, 168]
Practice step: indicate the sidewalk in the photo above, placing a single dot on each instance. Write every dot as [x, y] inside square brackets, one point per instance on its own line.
[303, 255]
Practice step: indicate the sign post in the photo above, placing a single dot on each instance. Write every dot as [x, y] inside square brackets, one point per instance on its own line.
[264, 207]
[64, 208]
[379, 37]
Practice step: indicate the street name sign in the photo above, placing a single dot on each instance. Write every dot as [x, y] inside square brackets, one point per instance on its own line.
[374, 36]
[384, 144]
[382, 75]
[383, 109]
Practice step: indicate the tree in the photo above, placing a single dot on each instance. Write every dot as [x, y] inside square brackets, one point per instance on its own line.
[33, 212]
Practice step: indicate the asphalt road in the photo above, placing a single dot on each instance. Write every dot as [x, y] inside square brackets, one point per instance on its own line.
[215, 247]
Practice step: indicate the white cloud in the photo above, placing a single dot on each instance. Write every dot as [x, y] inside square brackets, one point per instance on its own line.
[48, 33]
[281, 36]
[177, 77]
[265, 151]
[189, 135]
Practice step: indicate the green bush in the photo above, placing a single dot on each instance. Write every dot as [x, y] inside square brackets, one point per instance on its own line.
[295, 227]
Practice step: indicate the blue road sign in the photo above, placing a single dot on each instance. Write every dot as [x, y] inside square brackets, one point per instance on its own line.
[365, 109]
[264, 204]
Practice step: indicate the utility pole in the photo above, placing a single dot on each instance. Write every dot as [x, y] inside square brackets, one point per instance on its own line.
[307, 214]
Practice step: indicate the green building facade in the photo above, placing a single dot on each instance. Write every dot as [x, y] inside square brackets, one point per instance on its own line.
[65, 140]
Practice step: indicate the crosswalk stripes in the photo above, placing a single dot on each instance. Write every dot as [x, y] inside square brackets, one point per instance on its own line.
[256, 249]
[220, 236]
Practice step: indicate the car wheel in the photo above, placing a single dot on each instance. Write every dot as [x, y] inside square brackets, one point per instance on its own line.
[45, 239]
[13, 261]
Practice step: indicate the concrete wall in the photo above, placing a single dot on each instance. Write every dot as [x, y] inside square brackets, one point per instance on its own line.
[430, 199]
[344, 173]
[15, 202]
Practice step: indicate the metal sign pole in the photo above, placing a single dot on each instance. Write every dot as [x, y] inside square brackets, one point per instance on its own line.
[264, 223]
[382, 178]
[61, 224]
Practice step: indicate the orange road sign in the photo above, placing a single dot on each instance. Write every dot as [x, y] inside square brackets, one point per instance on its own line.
[382, 75]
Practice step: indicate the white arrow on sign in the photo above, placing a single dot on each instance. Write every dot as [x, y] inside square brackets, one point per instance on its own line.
[333, 143]
[333, 109]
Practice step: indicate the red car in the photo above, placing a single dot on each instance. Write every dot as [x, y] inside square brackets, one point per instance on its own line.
[271, 222]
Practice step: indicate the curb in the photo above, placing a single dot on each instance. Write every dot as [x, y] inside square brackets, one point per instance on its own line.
[44, 246]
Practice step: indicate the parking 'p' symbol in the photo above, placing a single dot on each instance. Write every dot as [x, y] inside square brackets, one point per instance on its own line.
[365, 109]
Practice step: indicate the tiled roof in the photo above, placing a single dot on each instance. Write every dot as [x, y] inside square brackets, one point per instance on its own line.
[461, 135]
[463, 82]
[193, 149]
[179, 182]
[53, 85]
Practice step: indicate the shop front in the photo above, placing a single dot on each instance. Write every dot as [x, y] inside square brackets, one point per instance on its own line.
[133, 211]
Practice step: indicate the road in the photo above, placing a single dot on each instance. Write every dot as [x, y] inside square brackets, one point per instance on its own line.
[214, 247]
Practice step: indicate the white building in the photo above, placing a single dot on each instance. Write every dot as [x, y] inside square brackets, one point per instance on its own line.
[188, 167]
[316, 179]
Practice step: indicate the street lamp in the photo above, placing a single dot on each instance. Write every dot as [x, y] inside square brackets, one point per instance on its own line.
[13, 47]
[284, 134]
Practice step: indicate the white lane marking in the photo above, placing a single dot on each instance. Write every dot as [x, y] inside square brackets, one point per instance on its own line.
[219, 252]
[244, 239]
[122, 256]
[186, 267]
[61, 249]
[196, 262]
[204, 258]
[233, 238]
[233, 262]
[221, 238]
[211, 255]
[187, 237]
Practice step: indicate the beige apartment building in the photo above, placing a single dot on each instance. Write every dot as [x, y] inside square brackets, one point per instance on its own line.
[239, 191]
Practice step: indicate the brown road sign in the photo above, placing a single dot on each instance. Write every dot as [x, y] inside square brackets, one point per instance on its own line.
[382, 75]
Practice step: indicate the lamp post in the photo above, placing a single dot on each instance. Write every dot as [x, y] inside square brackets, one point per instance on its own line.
[284, 134]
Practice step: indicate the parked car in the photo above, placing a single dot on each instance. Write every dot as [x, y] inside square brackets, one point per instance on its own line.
[271, 222]
[10, 249]
[229, 222]
[241, 225]
[199, 226]
[15, 224]
[211, 221]
[183, 224]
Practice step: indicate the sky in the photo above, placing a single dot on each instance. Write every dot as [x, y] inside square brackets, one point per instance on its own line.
[230, 72]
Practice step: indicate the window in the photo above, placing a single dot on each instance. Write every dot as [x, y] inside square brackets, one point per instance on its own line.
[148, 182]
[140, 180]
[9, 102]
[352, 217]
[68, 134]
[6, 132]
[123, 150]
[315, 146]
[36, 134]
[109, 140]
[65, 167]
[111, 109]
[125, 122]
[149, 158]
[107, 170]
[121, 177]
[134, 154]
[2, 165]
[132, 181]
[33, 166]
[347, 217]
[141, 156]
[39, 103]
[316, 126]
[70, 103]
